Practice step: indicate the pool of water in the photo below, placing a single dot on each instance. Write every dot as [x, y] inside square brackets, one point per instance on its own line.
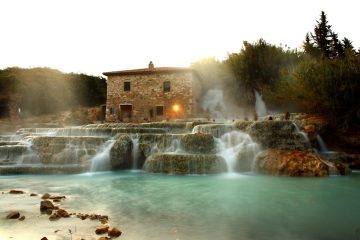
[229, 206]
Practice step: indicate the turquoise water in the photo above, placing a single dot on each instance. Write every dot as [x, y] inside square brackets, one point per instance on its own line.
[150, 206]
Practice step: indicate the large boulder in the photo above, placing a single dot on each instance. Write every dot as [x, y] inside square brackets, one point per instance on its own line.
[121, 152]
[290, 163]
[185, 163]
[201, 143]
[278, 134]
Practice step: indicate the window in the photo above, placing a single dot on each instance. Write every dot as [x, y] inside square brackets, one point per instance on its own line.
[151, 113]
[111, 110]
[126, 86]
[159, 110]
[167, 86]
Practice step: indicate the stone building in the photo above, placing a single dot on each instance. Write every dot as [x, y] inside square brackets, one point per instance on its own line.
[152, 94]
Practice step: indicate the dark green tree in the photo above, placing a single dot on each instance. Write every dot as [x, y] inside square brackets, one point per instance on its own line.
[337, 49]
[322, 35]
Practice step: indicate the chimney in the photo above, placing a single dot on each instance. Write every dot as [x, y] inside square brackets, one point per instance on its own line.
[151, 66]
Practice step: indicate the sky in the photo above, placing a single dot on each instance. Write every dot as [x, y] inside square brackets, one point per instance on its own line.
[95, 36]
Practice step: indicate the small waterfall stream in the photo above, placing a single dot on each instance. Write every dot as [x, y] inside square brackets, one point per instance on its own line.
[101, 161]
[135, 152]
[238, 150]
[322, 146]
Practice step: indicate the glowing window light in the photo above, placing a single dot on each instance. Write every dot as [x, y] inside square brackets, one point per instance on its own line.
[176, 108]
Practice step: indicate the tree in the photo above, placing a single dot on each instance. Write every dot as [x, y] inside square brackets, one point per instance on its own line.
[337, 49]
[322, 35]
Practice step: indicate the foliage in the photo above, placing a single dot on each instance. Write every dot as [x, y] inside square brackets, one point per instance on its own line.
[45, 90]
[262, 66]
[324, 42]
[332, 86]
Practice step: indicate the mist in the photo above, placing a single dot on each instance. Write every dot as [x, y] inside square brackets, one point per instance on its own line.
[221, 96]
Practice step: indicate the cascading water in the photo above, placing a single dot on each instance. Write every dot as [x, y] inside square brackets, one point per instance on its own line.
[174, 147]
[260, 106]
[303, 134]
[322, 146]
[101, 161]
[135, 151]
[238, 149]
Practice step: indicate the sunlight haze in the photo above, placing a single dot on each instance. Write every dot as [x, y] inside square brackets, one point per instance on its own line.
[97, 36]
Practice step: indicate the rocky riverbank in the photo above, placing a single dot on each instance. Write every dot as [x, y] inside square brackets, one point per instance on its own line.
[47, 218]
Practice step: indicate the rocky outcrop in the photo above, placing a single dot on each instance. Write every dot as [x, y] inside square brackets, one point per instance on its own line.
[67, 150]
[278, 134]
[200, 143]
[242, 125]
[185, 163]
[216, 130]
[120, 153]
[290, 163]
[150, 143]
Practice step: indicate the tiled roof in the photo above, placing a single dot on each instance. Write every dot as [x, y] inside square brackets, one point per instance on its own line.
[148, 71]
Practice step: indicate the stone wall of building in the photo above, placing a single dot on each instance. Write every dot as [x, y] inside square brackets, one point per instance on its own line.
[147, 95]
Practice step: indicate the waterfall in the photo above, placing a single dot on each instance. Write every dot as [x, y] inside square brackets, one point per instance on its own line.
[101, 161]
[135, 151]
[303, 134]
[238, 150]
[321, 143]
[260, 107]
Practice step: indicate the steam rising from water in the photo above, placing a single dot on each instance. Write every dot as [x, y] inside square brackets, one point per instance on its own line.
[260, 107]
[213, 103]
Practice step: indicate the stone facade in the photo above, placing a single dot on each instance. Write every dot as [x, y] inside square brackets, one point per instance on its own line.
[151, 94]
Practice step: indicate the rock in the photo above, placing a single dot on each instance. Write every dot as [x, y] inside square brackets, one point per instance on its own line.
[57, 197]
[13, 215]
[201, 143]
[185, 163]
[242, 125]
[319, 124]
[16, 192]
[104, 238]
[341, 168]
[120, 153]
[44, 238]
[63, 213]
[56, 150]
[45, 205]
[22, 218]
[102, 229]
[278, 134]
[290, 163]
[45, 196]
[33, 195]
[310, 130]
[49, 211]
[351, 160]
[114, 233]
[216, 130]
[54, 216]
